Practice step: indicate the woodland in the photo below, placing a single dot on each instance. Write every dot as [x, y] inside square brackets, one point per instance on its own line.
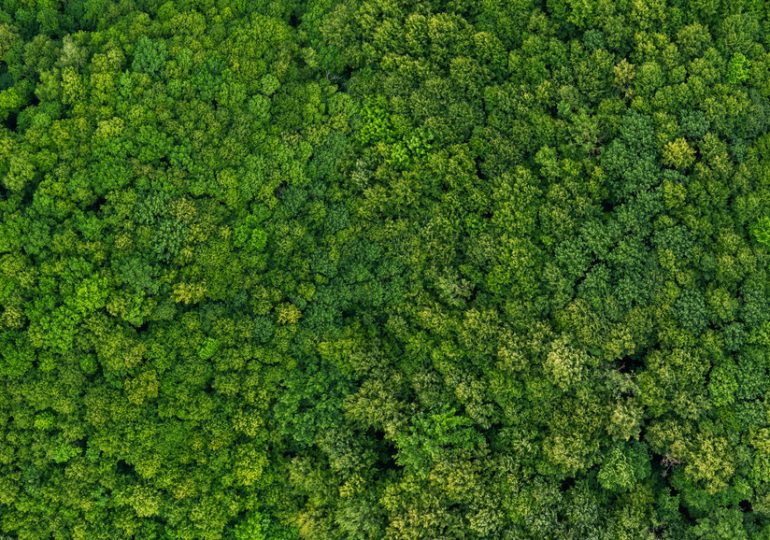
[385, 269]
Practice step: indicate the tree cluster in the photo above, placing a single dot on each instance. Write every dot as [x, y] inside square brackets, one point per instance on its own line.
[400, 269]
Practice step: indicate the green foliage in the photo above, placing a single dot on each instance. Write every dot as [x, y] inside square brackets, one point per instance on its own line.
[209, 349]
[259, 527]
[738, 69]
[149, 56]
[625, 467]
[375, 269]
[375, 123]
[761, 231]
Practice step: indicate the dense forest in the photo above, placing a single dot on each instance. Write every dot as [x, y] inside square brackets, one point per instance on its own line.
[385, 269]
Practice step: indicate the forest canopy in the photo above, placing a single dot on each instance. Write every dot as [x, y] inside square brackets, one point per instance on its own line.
[385, 269]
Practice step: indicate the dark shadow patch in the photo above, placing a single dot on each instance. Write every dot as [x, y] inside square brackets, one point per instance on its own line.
[480, 169]
[124, 468]
[631, 363]
[473, 294]
[608, 206]
[745, 506]
[6, 81]
[279, 191]
[686, 515]
[663, 466]
[386, 453]
[566, 485]
[12, 121]
[96, 205]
